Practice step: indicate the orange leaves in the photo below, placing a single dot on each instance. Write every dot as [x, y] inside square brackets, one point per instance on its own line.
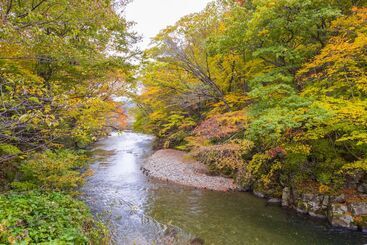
[118, 119]
[340, 66]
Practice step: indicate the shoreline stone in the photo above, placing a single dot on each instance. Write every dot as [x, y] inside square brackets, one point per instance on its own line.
[337, 209]
[258, 194]
[274, 200]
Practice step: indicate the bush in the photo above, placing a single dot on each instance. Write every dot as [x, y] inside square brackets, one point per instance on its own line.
[223, 158]
[34, 217]
[53, 170]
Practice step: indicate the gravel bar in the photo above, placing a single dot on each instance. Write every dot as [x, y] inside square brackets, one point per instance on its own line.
[177, 167]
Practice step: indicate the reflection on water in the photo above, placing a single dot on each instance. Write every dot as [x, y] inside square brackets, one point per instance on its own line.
[143, 211]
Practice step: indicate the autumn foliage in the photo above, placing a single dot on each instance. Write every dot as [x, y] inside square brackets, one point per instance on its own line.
[288, 78]
[59, 79]
[220, 126]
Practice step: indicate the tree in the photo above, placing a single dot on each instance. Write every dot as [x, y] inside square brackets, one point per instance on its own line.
[57, 77]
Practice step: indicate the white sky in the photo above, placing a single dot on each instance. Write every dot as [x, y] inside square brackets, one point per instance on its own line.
[151, 16]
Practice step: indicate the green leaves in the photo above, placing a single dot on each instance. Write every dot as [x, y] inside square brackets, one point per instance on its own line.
[59, 170]
[9, 149]
[55, 218]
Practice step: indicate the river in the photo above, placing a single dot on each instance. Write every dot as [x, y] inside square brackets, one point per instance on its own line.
[143, 211]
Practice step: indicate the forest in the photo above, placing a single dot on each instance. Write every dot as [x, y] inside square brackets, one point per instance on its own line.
[271, 93]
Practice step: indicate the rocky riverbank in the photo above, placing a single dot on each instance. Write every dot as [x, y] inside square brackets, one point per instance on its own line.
[177, 167]
[346, 211]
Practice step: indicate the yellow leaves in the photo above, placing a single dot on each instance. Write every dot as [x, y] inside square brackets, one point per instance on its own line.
[339, 70]
[51, 121]
[298, 148]
[361, 83]
[12, 240]
[358, 136]
[3, 228]
[223, 157]
[355, 166]
[349, 120]
[255, 165]
[47, 109]
[55, 170]
[354, 111]
[234, 100]
[246, 146]
[157, 116]
[347, 110]
[150, 96]
[324, 189]
[194, 141]
[89, 117]
[264, 32]
[271, 3]
[268, 178]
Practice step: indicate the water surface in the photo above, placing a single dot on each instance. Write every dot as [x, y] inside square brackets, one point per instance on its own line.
[144, 211]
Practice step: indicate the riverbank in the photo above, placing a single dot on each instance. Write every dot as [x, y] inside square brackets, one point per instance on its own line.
[178, 167]
[143, 211]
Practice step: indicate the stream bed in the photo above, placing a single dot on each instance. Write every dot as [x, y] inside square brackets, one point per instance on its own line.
[140, 210]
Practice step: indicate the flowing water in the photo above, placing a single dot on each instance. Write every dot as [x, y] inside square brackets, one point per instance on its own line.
[143, 211]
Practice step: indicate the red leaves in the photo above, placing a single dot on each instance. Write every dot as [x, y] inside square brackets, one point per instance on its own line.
[277, 152]
[220, 126]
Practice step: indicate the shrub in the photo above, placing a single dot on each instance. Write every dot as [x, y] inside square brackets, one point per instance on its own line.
[54, 218]
[53, 170]
[223, 158]
[254, 169]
